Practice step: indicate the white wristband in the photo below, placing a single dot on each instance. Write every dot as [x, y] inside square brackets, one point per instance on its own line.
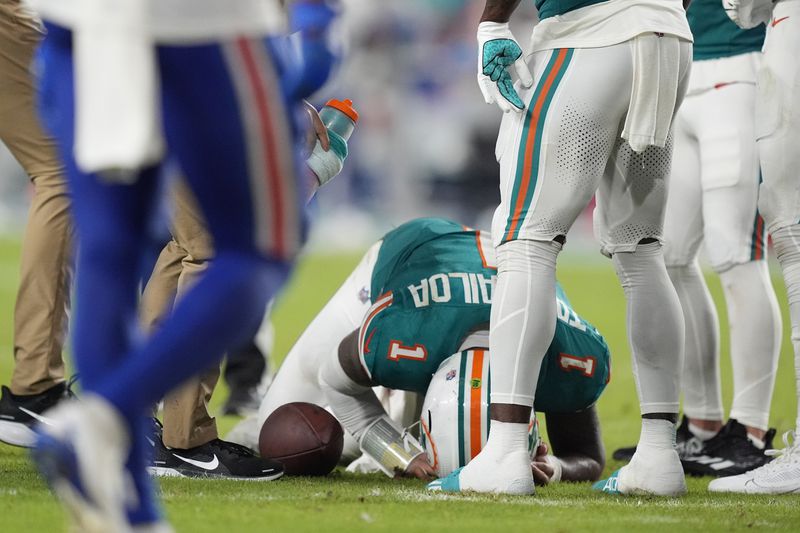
[558, 467]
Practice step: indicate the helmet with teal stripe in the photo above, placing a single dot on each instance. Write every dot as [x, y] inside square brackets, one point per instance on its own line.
[455, 415]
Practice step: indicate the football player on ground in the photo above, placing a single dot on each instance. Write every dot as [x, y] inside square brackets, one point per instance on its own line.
[712, 199]
[777, 130]
[197, 83]
[594, 118]
[418, 296]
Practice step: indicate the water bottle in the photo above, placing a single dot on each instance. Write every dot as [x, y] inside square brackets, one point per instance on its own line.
[340, 119]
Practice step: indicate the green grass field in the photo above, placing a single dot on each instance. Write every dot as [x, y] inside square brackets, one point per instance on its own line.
[345, 502]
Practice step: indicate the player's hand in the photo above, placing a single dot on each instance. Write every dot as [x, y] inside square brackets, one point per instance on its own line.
[316, 131]
[541, 468]
[497, 51]
[748, 13]
[420, 468]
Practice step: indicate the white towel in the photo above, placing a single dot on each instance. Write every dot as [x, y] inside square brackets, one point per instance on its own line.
[656, 76]
[117, 122]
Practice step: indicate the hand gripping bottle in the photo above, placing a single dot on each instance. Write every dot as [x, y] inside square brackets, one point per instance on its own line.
[340, 118]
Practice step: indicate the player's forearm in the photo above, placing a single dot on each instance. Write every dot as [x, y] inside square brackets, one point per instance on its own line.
[355, 405]
[580, 468]
[576, 441]
[498, 10]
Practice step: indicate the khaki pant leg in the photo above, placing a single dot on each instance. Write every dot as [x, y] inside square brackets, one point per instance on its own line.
[187, 422]
[159, 293]
[40, 315]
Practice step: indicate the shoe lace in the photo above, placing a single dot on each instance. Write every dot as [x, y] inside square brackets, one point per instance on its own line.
[73, 379]
[233, 448]
[692, 446]
[789, 454]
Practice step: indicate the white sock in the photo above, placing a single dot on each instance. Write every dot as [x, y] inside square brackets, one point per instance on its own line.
[657, 434]
[755, 329]
[655, 327]
[787, 247]
[523, 318]
[702, 393]
[701, 433]
[758, 443]
[507, 436]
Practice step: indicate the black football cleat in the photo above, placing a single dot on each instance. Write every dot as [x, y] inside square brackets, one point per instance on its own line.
[728, 453]
[685, 443]
[20, 413]
[216, 459]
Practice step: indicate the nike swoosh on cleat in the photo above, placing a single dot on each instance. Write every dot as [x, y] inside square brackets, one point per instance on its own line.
[205, 465]
[775, 22]
[35, 416]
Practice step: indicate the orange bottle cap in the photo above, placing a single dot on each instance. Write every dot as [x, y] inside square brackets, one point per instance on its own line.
[345, 107]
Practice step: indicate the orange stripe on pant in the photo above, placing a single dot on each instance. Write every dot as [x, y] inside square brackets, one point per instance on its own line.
[475, 404]
[537, 109]
[271, 154]
[759, 236]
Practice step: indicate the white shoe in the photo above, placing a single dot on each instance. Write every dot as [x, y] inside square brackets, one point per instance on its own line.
[781, 476]
[17, 434]
[505, 474]
[650, 472]
[81, 453]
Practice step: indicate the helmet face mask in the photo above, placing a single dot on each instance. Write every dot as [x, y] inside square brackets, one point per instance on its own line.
[455, 415]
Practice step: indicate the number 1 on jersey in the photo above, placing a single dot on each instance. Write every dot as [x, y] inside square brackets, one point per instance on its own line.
[584, 365]
[397, 351]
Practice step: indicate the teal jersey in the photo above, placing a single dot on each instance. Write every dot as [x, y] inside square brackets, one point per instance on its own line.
[551, 8]
[716, 36]
[432, 286]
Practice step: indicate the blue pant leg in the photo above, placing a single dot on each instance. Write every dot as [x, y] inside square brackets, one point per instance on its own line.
[111, 223]
[227, 126]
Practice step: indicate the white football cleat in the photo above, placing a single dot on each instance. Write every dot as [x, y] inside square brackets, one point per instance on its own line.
[81, 453]
[650, 472]
[506, 474]
[781, 476]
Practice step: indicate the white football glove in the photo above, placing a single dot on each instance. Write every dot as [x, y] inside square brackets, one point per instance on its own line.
[498, 50]
[748, 13]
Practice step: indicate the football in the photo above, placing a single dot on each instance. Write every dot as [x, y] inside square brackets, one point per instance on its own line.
[306, 438]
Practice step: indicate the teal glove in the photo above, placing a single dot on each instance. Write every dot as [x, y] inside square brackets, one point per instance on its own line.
[498, 50]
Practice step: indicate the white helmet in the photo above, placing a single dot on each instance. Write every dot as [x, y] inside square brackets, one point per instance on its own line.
[455, 415]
